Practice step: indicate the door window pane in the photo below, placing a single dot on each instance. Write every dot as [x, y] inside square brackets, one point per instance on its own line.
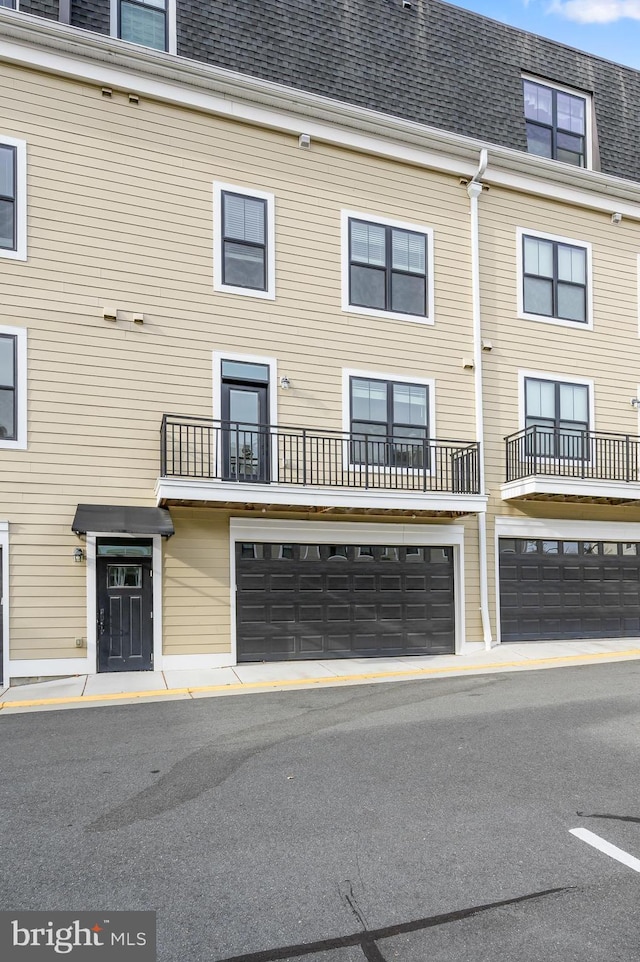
[124, 576]
[244, 406]
[242, 370]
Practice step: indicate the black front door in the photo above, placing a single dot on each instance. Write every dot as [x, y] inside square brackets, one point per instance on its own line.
[125, 613]
[245, 431]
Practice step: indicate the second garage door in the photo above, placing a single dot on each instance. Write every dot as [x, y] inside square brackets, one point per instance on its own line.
[305, 601]
[569, 589]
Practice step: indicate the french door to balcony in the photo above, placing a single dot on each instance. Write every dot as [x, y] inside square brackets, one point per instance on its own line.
[245, 432]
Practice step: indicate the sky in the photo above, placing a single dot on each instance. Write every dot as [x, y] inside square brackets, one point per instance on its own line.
[609, 28]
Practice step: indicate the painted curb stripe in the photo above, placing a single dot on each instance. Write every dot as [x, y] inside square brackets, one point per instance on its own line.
[606, 847]
[332, 679]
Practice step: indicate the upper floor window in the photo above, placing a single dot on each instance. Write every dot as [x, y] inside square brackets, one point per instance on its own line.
[556, 123]
[13, 381]
[13, 200]
[9, 4]
[387, 268]
[244, 241]
[557, 416]
[150, 23]
[555, 279]
[389, 422]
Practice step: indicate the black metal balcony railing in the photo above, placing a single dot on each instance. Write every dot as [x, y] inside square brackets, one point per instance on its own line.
[201, 448]
[594, 455]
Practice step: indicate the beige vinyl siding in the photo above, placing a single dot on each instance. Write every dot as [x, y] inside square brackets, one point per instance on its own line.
[120, 213]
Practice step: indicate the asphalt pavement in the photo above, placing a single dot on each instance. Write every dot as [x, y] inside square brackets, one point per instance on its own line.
[410, 821]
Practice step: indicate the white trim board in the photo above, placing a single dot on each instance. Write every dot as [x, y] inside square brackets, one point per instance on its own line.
[19, 443]
[270, 268]
[345, 532]
[57, 48]
[521, 233]
[178, 489]
[6, 602]
[47, 667]
[20, 252]
[554, 484]
[92, 635]
[345, 217]
[196, 662]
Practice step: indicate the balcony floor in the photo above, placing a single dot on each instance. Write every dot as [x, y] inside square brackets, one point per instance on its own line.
[571, 490]
[279, 497]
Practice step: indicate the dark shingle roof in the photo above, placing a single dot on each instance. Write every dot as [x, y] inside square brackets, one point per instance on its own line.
[434, 63]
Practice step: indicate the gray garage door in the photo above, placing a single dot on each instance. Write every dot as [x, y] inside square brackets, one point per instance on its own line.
[569, 589]
[301, 601]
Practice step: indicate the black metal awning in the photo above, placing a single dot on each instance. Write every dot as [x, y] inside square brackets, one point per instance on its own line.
[122, 519]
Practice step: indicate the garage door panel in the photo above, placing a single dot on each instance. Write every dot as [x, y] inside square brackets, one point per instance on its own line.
[568, 590]
[293, 603]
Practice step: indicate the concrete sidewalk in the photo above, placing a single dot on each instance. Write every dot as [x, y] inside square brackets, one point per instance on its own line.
[117, 688]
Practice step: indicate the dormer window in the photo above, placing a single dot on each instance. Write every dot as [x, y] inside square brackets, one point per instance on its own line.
[556, 122]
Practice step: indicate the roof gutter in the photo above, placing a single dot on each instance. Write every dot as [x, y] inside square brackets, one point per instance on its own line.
[57, 48]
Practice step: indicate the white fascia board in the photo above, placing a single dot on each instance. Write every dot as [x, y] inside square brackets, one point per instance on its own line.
[329, 532]
[572, 530]
[71, 52]
[571, 487]
[170, 489]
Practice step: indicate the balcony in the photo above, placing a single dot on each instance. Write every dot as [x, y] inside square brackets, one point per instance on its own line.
[545, 464]
[224, 464]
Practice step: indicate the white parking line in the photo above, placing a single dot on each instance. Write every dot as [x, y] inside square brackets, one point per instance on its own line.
[603, 846]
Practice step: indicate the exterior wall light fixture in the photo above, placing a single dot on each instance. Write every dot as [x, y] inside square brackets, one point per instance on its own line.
[78, 555]
[285, 383]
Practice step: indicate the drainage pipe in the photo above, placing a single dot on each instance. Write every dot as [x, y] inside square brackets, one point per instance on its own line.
[474, 190]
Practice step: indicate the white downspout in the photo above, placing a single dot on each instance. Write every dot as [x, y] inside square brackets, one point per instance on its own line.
[474, 189]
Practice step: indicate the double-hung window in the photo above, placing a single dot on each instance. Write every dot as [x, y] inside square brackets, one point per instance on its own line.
[13, 381]
[387, 268]
[244, 241]
[556, 418]
[389, 422]
[150, 23]
[9, 4]
[8, 197]
[556, 123]
[555, 279]
[13, 198]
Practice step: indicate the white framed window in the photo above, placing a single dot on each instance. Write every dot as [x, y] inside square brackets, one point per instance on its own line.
[387, 268]
[554, 279]
[557, 121]
[149, 23]
[13, 198]
[9, 4]
[13, 388]
[389, 420]
[243, 241]
[557, 413]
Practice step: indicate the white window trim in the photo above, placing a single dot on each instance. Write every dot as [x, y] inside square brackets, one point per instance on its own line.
[522, 232]
[20, 253]
[345, 217]
[20, 442]
[270, 292]
[272, 364]
[172, 46]
[345, 532]
[4, 610]
[428, 382]
[588, 113]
